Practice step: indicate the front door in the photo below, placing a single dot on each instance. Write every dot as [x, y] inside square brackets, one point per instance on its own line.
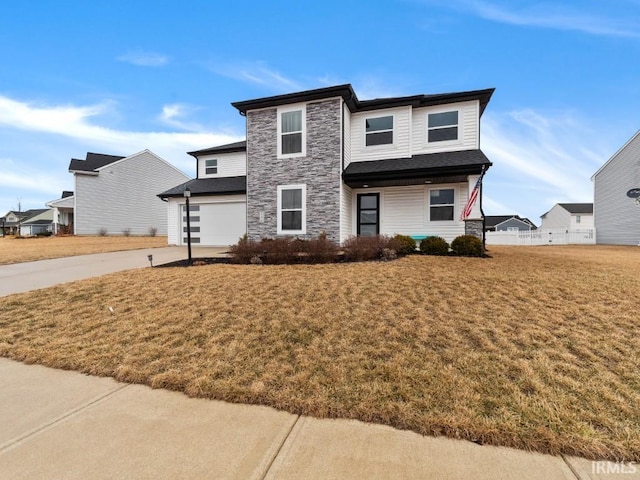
[368, 214]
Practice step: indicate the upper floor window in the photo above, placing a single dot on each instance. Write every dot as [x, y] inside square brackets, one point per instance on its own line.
[291, 132]
[442, 126]
[441, 204]
[578, 218]
[211, 167]
[379, 131]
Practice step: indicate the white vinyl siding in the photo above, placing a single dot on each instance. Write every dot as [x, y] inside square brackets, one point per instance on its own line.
[347, 135]
[557, 217]
[405, 210]
[346, 199]
[468, 128]
[124, 196]
[400, 148]
[229, 165]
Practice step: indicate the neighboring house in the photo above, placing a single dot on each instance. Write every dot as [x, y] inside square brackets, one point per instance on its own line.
[117, 194]
[62, 213]
[324, 161]
[569, 216]
[617, 196]
[10, 223]
[507, 223]
[37, 221]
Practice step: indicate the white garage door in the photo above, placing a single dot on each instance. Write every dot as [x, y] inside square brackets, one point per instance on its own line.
[216, 224]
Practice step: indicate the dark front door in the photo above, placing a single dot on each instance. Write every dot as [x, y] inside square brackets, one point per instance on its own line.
[368, 214]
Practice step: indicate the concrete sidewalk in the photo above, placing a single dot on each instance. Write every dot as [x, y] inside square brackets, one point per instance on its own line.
[22, 277]
[61, 424]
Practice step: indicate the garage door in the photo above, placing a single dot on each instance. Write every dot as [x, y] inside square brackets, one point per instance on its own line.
[216, 224]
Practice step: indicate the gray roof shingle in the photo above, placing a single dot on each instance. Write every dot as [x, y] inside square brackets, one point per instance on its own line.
[92, 162]
[578, 208]
[209, 186]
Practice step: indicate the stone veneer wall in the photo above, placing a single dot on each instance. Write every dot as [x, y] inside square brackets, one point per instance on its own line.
[320, 170]
[473, 227]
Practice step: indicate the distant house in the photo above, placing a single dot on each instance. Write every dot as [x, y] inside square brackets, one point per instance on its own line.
[569, 216]
[11, 222]
[62, 213]
[115, 194]
[507, 223]
[37, 221]
[617, 196]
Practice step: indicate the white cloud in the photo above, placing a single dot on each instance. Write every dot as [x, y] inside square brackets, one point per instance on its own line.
[144, 59]
[591, 17]
[258, 73]
[174, 115]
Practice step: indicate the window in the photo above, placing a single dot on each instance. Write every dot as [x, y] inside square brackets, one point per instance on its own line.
[211, 167]
[292, 206]
[291, 132]
[441, 205]
[379, 131]
[578, 218]
[442, 126]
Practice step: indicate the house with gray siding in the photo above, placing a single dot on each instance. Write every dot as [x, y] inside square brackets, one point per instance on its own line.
[616, 187]
[323, 161]
[507, 223]
[115, 194]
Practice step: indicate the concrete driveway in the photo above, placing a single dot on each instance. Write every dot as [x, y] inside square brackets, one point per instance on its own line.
[22, 277]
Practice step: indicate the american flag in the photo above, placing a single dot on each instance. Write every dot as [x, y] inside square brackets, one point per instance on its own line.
[466, 211]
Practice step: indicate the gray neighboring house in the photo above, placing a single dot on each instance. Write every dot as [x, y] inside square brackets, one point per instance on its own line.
[507, 223]
[616, 188]
[37, 221]
[324, 161]
[119, 194]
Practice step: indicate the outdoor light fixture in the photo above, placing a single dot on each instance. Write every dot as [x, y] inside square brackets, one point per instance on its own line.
[150, 257]
[187, 195]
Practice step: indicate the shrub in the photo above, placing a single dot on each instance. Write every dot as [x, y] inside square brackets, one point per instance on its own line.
[434, 246]
[244, 250]
[361, 249]
[404, 244]
[102, 232]
[126, 232]
[153, 231]
[467, 246]
[43, 234]
[320, 250]
[280, 250]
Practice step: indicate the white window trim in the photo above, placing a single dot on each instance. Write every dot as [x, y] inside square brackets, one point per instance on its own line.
[292, 108]
[302, 231]
[393, 132]
[217, 167]
[455, 205]
[443, 142]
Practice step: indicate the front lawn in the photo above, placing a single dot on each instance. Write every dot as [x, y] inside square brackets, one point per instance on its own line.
[535, 348]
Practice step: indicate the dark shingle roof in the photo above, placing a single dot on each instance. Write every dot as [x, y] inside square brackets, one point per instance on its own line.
[346, 92]
[577, 207]
[228, 148]
[66, 193]
[92, 162]
[419, 166]
[491, 221]
[209, 186]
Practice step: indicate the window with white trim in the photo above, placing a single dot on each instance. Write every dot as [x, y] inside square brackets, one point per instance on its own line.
[211, 166]
[578, 218]
[442, 126]
[441, 204]
[378, 131]
[292, 209]
[291, 132]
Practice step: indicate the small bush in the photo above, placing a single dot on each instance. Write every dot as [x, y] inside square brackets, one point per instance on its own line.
[126, 232]
[362, 249]
[434, 246]
[244, 250]
[320, 250]
[280, 250]
[153, 231]
[43, 234]
[467, 246]
[102, 232]
[404, 244]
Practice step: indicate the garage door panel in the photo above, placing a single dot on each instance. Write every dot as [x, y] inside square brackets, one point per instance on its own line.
[221, 223]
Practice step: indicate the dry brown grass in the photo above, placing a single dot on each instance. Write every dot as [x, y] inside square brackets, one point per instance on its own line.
[18, 250]
[535, 348]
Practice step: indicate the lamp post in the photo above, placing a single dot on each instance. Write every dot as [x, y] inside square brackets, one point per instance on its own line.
[187, 195]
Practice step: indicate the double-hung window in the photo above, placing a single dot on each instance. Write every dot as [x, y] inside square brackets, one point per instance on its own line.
[441, 204]
[378, 131]
[291, 132]
[442, 126]
[211, 167]
[292, 209]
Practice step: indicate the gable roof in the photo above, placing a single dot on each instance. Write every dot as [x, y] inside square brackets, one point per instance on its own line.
[346, 92]
[637, 135]
[491, 221]
[92, 162]
[209, 186]
[67, 193]
[578, 208]
[228, 148]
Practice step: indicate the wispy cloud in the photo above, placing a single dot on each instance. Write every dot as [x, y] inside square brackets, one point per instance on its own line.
[175, 114]
[591, 17]
[258, 73]
[144, 59]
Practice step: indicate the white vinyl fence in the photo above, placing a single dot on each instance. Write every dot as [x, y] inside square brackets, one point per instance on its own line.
[585, 236]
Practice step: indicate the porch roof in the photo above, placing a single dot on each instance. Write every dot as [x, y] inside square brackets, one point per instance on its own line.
[442, 167]
[209, 186]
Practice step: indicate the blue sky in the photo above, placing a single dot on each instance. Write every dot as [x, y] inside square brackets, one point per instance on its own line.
[121, 76]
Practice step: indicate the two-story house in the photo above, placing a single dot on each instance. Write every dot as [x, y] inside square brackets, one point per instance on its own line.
[324, 161]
